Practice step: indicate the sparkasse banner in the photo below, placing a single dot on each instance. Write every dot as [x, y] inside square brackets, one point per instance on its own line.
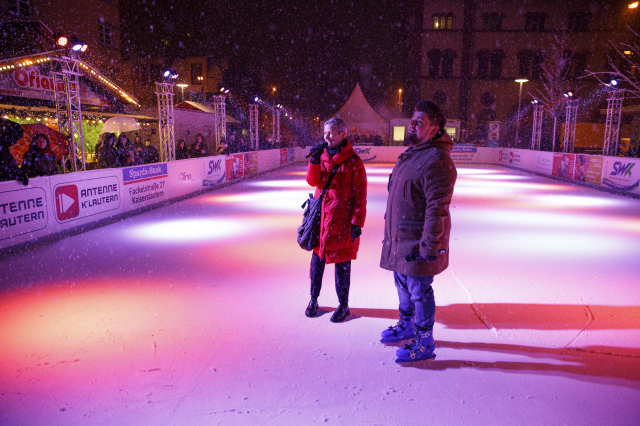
[145, 185]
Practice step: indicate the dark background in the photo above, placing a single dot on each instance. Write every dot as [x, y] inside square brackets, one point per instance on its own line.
[313, 52]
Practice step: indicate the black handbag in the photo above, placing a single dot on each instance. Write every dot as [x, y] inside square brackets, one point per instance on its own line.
[309, 231]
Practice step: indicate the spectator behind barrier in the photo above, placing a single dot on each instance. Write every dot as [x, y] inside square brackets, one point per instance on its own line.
[107, 155]
[123, 146]
[182, 152]
[223, 148]
[39, 160]
[10, 133]
[149, 153]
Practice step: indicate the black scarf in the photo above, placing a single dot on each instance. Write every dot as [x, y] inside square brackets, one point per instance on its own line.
[337, 149]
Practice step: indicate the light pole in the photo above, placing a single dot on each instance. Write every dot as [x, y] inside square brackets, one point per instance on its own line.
[182, 86]
[520, 80]
[400, 100]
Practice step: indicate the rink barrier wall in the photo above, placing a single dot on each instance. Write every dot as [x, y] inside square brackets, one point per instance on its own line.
[54, 206]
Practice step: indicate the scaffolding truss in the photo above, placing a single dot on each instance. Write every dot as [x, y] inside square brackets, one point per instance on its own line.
[66, 74]
[536, 133]
[220, 116]
[570, 124]
[253, 125]
[165, 121]
[276, 112]
[612, 125]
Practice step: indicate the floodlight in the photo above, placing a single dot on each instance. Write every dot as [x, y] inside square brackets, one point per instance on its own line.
[256, 99]
[77, 45]
[62, 41]
[169, 74]
[614, 82]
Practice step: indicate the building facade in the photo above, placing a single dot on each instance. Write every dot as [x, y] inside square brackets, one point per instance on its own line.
[473, 51]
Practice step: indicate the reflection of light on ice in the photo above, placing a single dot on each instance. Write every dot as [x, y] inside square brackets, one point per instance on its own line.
[286, 199]
[281, 183]
[378, 170]
[486, 187]
[464, 171]
[192, 229]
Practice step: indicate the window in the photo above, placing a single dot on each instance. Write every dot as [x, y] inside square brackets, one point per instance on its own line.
[196, 73]
[434, 62]
[442, 21]
[580, 59]
[537, 68]
[19, 7]
[493, 58]
[448, 55]
[578, 21]
[492, 21]
[105, 35]
[565, 63]
[525, 63]
[496, 64]
[484, 56]
[534, 21]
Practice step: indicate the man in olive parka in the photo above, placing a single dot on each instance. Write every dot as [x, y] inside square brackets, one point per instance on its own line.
[417, 227]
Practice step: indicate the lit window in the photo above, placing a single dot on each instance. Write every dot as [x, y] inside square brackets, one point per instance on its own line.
[442, 21]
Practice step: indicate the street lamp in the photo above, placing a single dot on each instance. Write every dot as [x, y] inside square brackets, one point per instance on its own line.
[400, 100]
[182, 86]
[520, 80]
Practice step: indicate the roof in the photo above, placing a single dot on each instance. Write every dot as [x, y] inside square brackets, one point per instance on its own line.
[358, 110]
[196, 106]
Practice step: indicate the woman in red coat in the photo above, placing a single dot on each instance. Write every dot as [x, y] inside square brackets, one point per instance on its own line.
[344, 208]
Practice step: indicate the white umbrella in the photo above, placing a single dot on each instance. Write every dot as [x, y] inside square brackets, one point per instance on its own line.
[120, 124]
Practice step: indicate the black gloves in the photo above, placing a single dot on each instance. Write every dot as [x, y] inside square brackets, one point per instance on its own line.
[316, 152]
[417, 256]
[356, 231]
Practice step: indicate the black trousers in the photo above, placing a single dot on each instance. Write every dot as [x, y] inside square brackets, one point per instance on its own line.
[343, 278]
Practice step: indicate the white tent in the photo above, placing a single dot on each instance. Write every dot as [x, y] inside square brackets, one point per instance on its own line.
[361, 118]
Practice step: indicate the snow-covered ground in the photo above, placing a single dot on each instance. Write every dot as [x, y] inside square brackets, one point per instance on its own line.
[193, 314]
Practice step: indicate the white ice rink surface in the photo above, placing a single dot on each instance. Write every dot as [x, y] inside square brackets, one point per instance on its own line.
[193, 314]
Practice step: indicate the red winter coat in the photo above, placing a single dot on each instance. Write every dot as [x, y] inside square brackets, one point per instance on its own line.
[344, 203]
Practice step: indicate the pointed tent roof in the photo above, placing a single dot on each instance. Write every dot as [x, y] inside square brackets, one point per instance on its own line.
[358, 110]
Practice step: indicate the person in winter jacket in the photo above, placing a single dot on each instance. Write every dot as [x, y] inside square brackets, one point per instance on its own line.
[124, 147]
[182, 152]
[417, 228]
[10, 133]
[149, 153]
[39, 160]
[107, 156]
[343, 212]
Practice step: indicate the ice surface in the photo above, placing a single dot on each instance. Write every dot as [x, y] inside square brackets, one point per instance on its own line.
[194, 314]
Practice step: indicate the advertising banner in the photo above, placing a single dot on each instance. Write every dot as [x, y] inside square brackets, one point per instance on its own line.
[284, 156]
[234, 166]
[75, 199]
[291, 155]
[145, 185]
[23, 211]
[543, 163]
[464, 154]
[563, 165]
[251, 163]
[588, 169]
[185, 176]
[366, 153]
[214, 170]
[36, 82]
[515, 158]
[621, 174]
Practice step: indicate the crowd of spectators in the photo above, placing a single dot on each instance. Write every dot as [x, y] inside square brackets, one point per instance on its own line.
[364, 139]
[123, 153]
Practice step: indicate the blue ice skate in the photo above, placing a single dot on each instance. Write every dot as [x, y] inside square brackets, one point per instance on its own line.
[420, 349]
[403, 330]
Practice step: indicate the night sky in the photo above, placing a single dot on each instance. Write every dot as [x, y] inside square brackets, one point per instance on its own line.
[313, 52]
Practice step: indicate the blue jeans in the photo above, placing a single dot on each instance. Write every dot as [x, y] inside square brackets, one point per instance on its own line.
[416, 297]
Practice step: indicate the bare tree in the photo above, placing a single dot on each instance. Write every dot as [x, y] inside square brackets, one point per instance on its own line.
[555, 83]
[622, 70]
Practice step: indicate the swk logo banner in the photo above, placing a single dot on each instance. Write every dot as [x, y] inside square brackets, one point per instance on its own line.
[621, 175]
[365, 154]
